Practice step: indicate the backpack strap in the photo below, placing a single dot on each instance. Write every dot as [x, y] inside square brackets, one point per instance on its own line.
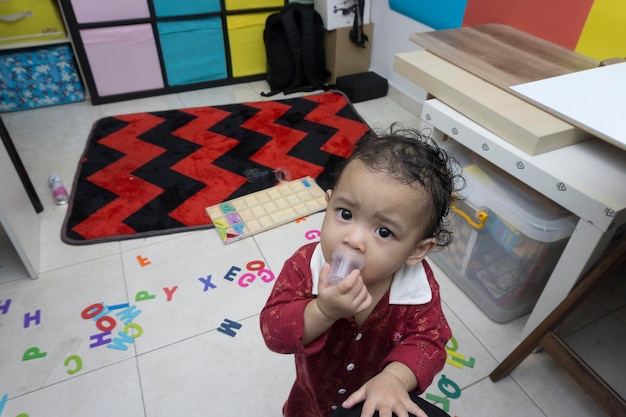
[307, 19]
[356, 34]
[288, 19]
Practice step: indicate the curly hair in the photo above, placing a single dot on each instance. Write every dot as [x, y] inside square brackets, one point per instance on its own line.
[411, 157]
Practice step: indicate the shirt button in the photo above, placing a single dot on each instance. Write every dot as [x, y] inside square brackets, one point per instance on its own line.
[334, 407]
[342, 391]
[359, 336]
[350, 367]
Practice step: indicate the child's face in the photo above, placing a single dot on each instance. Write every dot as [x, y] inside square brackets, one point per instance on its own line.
[377, 218]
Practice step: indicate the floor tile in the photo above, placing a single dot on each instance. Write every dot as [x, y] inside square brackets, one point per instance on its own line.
[52, 130]
[149, 104]
[191, 285]
[217, 374]
[278, 244]
[46, 315]
[468, 360]
[113, 390]
[57, 254]
[239, 93]
[601, 345]
[612, 293]
[382, 112]
[504, 398]
[552, 389]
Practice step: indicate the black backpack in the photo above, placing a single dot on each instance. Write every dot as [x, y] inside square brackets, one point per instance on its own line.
[294, 46]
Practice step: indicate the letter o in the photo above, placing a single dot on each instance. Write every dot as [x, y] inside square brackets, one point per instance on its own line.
[255, 265]
[445, 382]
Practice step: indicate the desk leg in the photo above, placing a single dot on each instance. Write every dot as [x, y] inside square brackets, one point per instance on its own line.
[583, 249]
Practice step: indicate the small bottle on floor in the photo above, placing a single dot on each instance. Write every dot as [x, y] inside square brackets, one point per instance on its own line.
[58, 189]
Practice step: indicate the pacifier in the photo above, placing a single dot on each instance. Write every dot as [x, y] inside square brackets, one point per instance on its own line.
[343, 263]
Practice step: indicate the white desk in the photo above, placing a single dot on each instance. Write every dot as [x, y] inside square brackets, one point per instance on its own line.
[587, 178]
[18, 216]
[593, 100]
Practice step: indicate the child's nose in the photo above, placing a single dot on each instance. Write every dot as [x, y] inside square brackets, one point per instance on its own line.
[355, 238]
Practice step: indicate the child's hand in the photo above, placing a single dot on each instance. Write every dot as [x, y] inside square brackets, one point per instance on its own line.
[386, 393]
[345, 299]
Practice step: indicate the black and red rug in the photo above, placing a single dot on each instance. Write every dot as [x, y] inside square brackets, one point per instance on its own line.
[147, 174]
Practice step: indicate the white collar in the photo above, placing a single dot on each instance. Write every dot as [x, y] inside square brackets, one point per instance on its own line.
[409, 286]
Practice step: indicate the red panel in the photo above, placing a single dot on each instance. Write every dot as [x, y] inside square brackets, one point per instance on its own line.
[558, 21]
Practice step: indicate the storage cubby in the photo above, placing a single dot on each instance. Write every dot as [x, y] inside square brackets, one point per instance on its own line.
[137, 48]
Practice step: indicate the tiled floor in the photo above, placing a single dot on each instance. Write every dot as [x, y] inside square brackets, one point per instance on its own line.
[178, 362]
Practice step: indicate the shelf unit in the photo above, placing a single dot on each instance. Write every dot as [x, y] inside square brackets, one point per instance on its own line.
[138, 48]
[31, 23]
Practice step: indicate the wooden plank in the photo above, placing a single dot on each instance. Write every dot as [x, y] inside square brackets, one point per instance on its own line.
[522, 124]
[502, 55]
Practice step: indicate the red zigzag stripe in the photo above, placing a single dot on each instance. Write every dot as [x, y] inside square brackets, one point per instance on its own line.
[199, 166]
[134, 192]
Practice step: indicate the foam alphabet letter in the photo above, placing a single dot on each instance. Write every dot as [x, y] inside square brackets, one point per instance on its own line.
[255, 265]
[143, 296]
[312, 234]
[120, 343]
[101, 339]
[106, 323]
[444, 383]
[227, 327]
[458, 360]
[231, 274]
[117, 306]
[246, 279]
[266, 275]
[445, 403]
[92, 311]
[129, 314]
[33, 353]
[143, 261]
[78, 361]
[169, 292]
[138, 330]
[5, 309]
[28, 318]
[207, 282]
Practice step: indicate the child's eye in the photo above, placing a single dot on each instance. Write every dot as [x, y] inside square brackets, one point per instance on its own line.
[344, 214]
[384, 232]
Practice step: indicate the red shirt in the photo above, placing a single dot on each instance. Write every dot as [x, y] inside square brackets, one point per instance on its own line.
[346, 356]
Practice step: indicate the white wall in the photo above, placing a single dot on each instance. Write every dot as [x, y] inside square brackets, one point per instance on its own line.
[391, 35]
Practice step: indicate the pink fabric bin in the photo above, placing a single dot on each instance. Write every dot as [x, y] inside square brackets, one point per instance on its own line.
[123, 59]
[88, 11]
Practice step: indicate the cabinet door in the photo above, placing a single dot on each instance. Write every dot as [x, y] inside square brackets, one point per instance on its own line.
[90, 11]
[185, 7]
[252, 4]
[193, 50]
[245, 38]
[123, 59]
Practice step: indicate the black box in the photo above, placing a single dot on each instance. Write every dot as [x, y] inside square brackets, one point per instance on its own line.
[363, 86]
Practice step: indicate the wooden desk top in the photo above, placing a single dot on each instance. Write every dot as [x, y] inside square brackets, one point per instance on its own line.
[502, 55]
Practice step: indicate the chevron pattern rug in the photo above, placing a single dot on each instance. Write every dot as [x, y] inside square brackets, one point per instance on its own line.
[147, 174]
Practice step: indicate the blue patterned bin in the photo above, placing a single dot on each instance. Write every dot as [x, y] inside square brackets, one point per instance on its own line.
[39, 77]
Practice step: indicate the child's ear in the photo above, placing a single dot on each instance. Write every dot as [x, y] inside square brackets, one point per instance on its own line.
[329, 193]
[420, 251]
